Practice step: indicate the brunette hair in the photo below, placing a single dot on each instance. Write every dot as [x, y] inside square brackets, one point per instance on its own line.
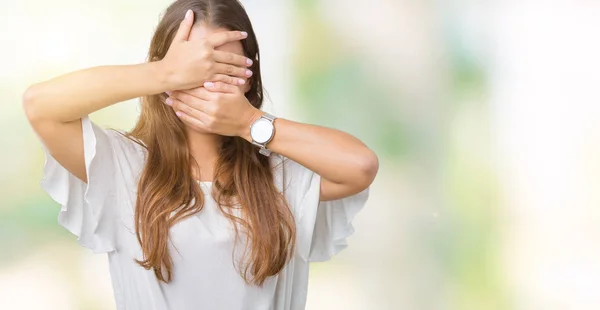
[243, 179]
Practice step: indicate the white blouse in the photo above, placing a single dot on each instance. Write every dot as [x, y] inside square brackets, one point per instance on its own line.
[100, 214]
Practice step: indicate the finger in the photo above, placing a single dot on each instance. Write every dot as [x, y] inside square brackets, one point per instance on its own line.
[190, 115]
[191, 121]
[220, 38]
[199, 94]
[191, 110]
[232, 70]
[190, 100]
[232, 59]
[185, 27]
[220, 87]
[228, 79]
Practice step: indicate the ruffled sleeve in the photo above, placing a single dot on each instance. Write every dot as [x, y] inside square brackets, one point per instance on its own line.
[323, 227]
[91, 210]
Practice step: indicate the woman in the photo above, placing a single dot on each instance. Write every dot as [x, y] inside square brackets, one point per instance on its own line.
[208, 203]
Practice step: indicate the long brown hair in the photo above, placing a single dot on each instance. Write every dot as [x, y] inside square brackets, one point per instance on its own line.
[242, 181]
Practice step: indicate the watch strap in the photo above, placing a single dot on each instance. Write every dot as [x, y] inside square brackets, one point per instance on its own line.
[268, 116]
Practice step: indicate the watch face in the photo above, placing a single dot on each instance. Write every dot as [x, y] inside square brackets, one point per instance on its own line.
[261, 131]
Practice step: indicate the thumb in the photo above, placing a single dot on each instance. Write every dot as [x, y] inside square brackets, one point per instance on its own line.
[183, 33]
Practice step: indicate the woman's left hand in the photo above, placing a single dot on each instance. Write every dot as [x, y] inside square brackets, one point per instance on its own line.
[216, 108]
[345, 164]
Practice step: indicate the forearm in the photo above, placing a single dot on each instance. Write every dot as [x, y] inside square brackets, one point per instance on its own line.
[71, 96]
[334, 155]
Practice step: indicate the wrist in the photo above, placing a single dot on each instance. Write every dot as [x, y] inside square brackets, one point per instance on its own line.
[163, 75]
[253, 115]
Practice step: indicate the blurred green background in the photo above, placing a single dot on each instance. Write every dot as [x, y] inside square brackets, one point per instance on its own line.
[485, 115]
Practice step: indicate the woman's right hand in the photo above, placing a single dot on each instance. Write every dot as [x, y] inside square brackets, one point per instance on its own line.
[188, 64]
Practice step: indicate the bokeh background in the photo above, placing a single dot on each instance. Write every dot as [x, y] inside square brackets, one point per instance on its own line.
[485, 115]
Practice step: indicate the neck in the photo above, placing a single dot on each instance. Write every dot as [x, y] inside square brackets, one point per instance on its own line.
[204, 148]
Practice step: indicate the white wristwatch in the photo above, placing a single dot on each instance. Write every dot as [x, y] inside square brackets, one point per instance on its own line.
[262, 131]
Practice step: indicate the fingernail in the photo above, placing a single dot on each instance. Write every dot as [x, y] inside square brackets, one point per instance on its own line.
[188, 14]
[169, 101]
[241, 82]
[249, 62]
[209, 84]
[178, 114]
[168, 92]
[248, 73]
[244, 34]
